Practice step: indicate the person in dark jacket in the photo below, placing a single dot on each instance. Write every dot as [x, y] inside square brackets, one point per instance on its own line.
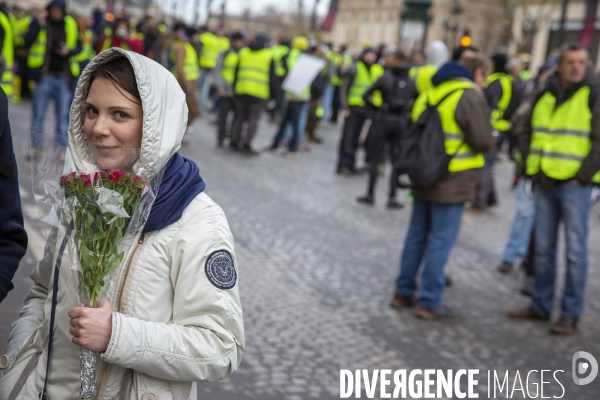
[48, 67]
[399, 92]
[560, 148]
[438, 209]
[13, 239]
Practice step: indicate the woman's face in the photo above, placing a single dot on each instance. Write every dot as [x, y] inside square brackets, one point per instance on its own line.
[113, 125]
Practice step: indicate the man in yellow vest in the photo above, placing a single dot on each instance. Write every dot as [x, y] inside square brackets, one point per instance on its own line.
[560, 149]
[437, 210]
[295, 109]
[252, 87]
[279, 51]
[51, 39]
[20, 28]
[331, 96]
[436, 56]
[225, 74]
[359, 77]
[183, 58]
[209, 47]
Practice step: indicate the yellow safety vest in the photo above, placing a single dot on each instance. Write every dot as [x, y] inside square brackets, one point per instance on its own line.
[20, 28]
[230, 61]
[466, 158]
[224, 44]
[498, 121]
[37, 52]
[253, 73]
[560, 138]
[278, 53]
[291, 61]
[362, 81]
[210, 50]
[422, 76]
[87, 53]
[190, 65]
[6, 81]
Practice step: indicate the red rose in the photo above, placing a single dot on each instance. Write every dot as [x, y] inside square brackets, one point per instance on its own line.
[88, 182]
[113, 177]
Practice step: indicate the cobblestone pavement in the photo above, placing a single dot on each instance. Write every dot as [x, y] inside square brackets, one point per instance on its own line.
[316, 273]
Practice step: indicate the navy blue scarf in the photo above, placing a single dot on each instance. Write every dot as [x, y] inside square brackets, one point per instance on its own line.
[180, 184]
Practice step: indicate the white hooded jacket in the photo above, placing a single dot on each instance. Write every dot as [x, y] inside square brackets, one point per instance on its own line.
[170, 325]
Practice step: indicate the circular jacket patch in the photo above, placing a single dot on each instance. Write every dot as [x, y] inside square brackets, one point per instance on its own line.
[220, 270]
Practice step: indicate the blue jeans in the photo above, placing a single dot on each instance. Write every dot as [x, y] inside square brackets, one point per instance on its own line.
[431, 236]
[203, 87]
[57, 89]
[326, 101]
[293, 113]
[520, 230]
[570, 204]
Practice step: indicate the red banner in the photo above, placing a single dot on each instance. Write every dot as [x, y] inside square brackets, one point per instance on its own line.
[330, 18]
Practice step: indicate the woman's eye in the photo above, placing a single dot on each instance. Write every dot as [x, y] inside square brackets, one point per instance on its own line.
[91, 110]
[121, 114]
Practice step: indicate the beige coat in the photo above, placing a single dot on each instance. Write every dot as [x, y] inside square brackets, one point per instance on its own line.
[171, 325]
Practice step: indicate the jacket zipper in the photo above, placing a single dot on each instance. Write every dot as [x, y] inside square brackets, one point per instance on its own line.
[106, 368]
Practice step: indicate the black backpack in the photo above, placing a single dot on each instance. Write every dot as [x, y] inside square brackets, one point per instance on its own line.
[421, 154]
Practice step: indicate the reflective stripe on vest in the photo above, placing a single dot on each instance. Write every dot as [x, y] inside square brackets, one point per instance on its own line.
[6, 81]
[37, 52]
[466, 158]
[560, 138]
[190, 65]
[253, 73]
[362, 81]
[210, 50]
[87, 53]
[498, 121]
[230, 61]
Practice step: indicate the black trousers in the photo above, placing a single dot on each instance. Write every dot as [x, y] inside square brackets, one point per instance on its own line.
[247, 110]
[353, 125]
[335, 104]
[226, 107]
[385, 133]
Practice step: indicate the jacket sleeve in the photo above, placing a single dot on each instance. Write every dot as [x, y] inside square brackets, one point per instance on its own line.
[77, 49]
[345, 88]
[205, 340]
[13, 239]
[524, 138]
[591, 164]
[272, 80]
[493, 93]
[473, 116]
[32, 33]
[218, 69]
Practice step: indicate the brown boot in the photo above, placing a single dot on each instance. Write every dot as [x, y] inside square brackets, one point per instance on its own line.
[564, 326]
[526, 313]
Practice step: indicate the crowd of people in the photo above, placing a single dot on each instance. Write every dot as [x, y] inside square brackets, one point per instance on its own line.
[465, 103]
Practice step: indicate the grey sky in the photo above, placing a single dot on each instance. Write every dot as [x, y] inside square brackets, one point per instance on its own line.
[185, 8]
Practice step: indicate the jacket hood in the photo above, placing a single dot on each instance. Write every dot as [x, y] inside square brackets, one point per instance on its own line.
[437, 53]
[450, 70]
[164, 121]
[58, 3]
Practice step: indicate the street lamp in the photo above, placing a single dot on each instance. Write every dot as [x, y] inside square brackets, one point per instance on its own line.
[414, 23]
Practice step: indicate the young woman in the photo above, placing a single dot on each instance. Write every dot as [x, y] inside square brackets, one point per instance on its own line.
[176, 318]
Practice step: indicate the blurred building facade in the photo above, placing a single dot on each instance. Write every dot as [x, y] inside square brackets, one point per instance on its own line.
[536, 27]
[379, 21]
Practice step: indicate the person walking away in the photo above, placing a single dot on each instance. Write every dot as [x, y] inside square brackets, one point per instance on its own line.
[7, 55]
[253, 86]
[14, 238]
[52, 38]
[121, 38]
[437, 210]
[225, 73]
[398, 92]
[436, 56]
[279, 51]
[185, 69]
[208, 53]
[317, 92]
[560, 145]
[358, 79]
[295, 104]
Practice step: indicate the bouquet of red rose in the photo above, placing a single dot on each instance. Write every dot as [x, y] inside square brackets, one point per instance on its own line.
[101, 206]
